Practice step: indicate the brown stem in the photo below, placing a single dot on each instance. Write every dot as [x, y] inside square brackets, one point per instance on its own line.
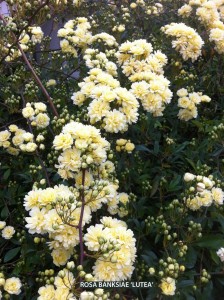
[59, 72]
[37, 79]
[30, 20]
[5, 126]
[81, 218]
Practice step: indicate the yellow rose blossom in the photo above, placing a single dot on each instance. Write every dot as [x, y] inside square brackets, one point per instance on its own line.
[66, 282]
[18, 139]
[63, 141]
[42, 120]
[217, 195]
[51, 82]
[46, 292]
[30, 147]
[168, 286]
[2, 224]
[40, 106]
[13, 128]
[12, 151]
[4, 136]
[13, 286]
[28, 112]
[115, 121]
[35, 223]
[121, 142]
[8, 232]
[60, 256]
[88, 179]
[129, 147]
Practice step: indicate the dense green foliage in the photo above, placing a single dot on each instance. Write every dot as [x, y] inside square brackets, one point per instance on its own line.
[166, 230]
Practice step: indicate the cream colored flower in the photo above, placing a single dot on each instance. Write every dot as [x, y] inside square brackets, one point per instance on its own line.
[12, 151]
[37, 34]
[51, 82]
[46, 292]
[30, 147]
[185, 10]
[189, 177]
[187, 40]
[218, 195]
[2, 283]
[121, 142]
[35, 223]
[88, 179]
[47, 197]
[87, 295]
[2, 224]
[206, 198]
[123, 198]
[94, 236]
[168, 286]
[64, 293]
[187, 114]
[70, 160]
[24, 38]
[31, 199]
[66, 282]
[28, 137]
[8, 232]
[129, 147]
[115, 121]
[220, 254]
[13, 128]
[28, 112]
[40, 106]
[13, 286]
[4, 136]
[63, 141]
[78, 98]
[61, 256]
[18, 139]
[42, 120]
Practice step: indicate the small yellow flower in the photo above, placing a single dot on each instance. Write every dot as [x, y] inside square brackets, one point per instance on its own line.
[8, 232]
[168, 286]
[129, 147]
[13, 286]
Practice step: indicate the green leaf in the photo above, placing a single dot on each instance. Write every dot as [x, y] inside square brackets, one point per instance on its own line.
[157, 238]
[173, 186]
[156, 147]
[150, 258]
[11, 254]
[207, 291]
[212, 242]
[191, 163]
[215, 257]
[142, 148]
[191, 258]
[218, 217]
[5, 212]
[155, 186]
[185, 283]
[6, 174]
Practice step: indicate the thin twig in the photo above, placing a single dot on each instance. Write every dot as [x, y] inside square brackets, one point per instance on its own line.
[14, 121]
[37, 79]
[30, 20]
[81, 218]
